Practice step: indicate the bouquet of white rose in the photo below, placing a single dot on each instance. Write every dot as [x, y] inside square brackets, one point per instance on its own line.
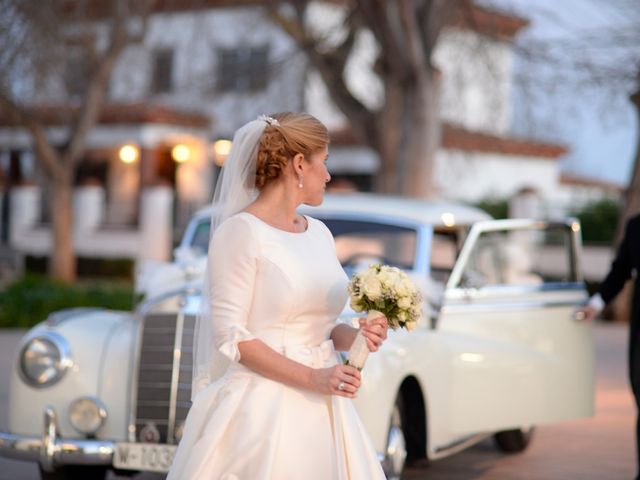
[382, 290]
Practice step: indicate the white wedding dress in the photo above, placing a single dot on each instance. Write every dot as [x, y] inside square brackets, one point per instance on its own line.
[286, 289]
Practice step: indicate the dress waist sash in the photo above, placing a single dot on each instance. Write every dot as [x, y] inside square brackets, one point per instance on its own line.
[320, 356]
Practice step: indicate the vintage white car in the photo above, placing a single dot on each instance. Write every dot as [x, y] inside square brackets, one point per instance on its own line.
[499, 348]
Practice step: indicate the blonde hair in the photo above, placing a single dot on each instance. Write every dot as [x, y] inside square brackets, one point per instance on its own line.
[294, 133]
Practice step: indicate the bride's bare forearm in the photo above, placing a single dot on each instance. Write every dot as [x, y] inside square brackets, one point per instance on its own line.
[343, 336]
[262, 359]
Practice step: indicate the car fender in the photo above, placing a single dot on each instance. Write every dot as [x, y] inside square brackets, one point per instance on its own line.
[101, 348]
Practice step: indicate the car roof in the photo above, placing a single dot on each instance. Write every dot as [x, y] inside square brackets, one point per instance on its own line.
[432, 212]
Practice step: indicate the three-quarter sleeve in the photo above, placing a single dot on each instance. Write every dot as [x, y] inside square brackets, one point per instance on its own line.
[233, 258]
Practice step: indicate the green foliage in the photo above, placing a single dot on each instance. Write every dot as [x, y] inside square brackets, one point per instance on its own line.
[496, 207]
[599, 220]
[31, 299]
[88, 267]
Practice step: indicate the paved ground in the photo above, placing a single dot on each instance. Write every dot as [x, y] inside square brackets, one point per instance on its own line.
[598, 448]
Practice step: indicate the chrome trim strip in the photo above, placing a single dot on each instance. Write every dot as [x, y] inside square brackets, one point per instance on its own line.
[502, 290]
[49, 434]
[175, 373]
[502, 307]
[457, 445]
[193, 289]
[576, 250]
[50, 451]
[133, 381]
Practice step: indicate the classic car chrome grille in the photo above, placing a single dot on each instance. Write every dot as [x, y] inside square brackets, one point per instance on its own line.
[164, 376]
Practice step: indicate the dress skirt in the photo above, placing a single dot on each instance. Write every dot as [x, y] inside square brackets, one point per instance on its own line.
[247, 427]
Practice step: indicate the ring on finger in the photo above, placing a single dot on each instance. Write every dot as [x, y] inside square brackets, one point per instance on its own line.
[341, 386]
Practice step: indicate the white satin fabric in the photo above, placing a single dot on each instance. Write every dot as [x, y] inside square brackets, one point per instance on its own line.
[286, 289]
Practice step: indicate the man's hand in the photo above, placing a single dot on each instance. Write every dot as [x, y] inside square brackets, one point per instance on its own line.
[587, 313]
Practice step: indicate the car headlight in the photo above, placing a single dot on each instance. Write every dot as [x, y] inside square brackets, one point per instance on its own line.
[44, 360]
[87, 415]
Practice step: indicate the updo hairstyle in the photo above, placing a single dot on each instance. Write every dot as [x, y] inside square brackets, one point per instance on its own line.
[296, 133]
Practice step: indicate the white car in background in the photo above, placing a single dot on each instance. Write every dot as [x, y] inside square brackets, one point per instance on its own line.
[498, 350]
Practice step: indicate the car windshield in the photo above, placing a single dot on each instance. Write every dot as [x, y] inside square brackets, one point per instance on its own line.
[360, 243]
[200, 239]
[357, 242]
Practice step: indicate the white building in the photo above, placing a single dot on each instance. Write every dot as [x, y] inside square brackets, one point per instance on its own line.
[222, 66]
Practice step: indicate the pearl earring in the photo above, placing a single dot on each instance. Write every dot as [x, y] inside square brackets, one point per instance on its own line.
[300, 185]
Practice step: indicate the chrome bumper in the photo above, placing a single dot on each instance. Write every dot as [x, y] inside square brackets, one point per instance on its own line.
[51, 452]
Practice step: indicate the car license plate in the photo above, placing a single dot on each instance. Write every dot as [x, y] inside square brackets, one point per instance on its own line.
[144, 456]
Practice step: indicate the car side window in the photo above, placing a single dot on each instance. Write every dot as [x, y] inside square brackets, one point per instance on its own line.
[520, 257]
[444, 252]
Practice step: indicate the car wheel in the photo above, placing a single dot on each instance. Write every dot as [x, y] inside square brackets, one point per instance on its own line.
[514, 441]
[76, 473]
[396, 448]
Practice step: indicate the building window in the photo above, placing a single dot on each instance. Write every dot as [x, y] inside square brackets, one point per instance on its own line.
[76, 76]
[162, 71]
[243, 69]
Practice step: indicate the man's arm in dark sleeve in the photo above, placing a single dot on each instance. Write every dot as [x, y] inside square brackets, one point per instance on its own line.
[620, 268]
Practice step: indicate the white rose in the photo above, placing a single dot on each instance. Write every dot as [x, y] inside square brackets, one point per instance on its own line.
[386, 279]
[410, 325]
[401, 289]
[404, 303]
[372, 288]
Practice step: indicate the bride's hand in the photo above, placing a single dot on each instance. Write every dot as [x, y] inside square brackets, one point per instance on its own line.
[340, 380]
[375, 332]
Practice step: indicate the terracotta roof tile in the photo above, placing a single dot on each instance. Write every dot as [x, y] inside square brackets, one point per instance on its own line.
[131, 113]
[572, 179]
[500, 25]
[458, 138]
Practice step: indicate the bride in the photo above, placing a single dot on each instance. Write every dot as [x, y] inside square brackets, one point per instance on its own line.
[273, 291]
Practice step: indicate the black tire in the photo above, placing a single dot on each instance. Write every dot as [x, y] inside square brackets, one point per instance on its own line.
[514, 441]
[76, 472]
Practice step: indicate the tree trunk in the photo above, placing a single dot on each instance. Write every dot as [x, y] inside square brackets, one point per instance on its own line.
[389, 138]
[62, 260]
[424, 139]
[409, 138]
[631, 204]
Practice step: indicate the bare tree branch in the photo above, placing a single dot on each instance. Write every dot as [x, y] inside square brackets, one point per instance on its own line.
[330, 64]
[39, 41]
[22, 117]
[98, 83]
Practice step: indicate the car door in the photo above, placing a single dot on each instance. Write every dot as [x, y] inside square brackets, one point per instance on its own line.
[518, 354]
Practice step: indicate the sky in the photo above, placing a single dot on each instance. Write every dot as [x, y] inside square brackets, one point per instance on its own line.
[599, 125]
